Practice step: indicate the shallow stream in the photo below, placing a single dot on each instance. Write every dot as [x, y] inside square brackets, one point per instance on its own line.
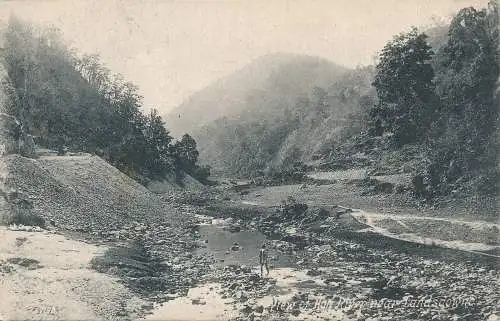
[219, 243]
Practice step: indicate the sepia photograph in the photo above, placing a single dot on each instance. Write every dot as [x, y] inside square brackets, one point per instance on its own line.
[234, 160]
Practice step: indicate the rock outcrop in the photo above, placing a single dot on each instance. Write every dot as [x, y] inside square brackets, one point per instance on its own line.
[13, 138]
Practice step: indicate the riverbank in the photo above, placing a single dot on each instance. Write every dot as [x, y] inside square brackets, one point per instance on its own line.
[357, 273]
[47, 276]
[325, 263]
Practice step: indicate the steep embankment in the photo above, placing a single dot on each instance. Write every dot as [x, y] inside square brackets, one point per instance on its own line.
[149, 242]
[82, 192]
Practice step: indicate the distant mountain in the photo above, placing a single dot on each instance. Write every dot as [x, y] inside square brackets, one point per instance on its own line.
[303, 126]
[271, 82]
[279, 110]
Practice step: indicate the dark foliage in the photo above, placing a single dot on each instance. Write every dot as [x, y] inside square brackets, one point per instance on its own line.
[186, 158]
[71, 103]
[463, 144]
[405, 90]
[447, 101]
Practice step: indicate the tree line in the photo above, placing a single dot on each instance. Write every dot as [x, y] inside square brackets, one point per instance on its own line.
[446, 100]
[69, 101]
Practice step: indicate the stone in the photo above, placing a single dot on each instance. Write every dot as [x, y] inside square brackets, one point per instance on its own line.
[241, 296]
[259, 309]
[234, 228]
[313, 272]
[198, 301]
[246, 309]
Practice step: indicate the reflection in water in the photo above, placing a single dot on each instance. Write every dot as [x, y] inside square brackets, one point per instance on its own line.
[220, 242]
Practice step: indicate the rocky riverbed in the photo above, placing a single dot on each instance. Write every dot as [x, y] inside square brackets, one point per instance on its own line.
[337, 271]
[324, 265]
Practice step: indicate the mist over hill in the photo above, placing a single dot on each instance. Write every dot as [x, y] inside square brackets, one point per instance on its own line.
[269, 82]
[285, 132]
[261, 115]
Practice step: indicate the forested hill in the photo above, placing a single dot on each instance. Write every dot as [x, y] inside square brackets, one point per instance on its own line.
[267, 84]
[260, 141]
[428, 108]
[444, 103]
[71, 101]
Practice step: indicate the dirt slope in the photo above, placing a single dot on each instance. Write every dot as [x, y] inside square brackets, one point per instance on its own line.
[172, 184]
[83, 192]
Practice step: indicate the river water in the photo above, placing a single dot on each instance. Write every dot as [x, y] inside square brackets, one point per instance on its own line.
[220, 241]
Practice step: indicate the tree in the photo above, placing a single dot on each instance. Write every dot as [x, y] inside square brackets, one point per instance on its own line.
[405, 90]
[186, 157]
[319, 99]
[67, 101]
[157, 157]
[462, 142]
[468, 72]
[186, 153]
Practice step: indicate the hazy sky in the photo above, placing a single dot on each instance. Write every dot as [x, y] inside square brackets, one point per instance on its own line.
[171, 49]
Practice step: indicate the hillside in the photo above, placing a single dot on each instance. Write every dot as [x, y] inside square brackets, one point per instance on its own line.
[271, 82]
[68, 101]
[428, 109]
[81, 193]
[268, 116]
[278, 109]
[282, 133]
[437, 115]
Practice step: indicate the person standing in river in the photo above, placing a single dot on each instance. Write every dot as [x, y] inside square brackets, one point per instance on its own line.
[263, 260]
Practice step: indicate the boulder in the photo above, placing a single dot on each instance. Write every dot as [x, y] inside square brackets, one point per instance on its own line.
[234, 228]
[242, 296]
[313, 272]
[198, 301]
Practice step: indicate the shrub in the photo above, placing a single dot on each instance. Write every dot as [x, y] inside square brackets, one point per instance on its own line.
[28, 218]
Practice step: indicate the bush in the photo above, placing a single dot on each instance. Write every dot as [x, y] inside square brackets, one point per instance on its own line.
[201, 173]
[288, 175]
[21, 210]
[28, 218]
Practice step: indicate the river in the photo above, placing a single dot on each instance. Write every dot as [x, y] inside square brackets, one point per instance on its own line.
[219, 242]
